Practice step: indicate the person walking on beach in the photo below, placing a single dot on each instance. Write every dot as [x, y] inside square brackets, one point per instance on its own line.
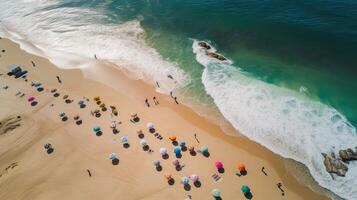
[279, 186]
[196, 138]
[33, 63]
[175, 98]
[155, 101]
[147, 102]
[157, 83]
[89, 173]
[263, 170]
[95, 56]
[58, 79]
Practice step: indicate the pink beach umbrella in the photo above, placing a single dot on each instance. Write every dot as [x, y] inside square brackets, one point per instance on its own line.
[176, 163]
[150, 125]
[31, 98]
[163, 151]
[194, 177]
[218, 165]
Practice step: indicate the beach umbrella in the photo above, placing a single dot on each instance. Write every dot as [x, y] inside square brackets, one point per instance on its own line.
[216, 192]
[191, 149]
[102, 105]
[143, 142]
[241, 167]
[182, 144]
[113, 125]
[112, 156]
[150, 125]
[157, 163]
[76, 117]
[185, 180]
[96, 98]
[172, 138]
[218, 165]
[65, 96]
[168, 176]
[245, 189]
[31, 98]
[80, 102]
[124, 139]
[163, 151]
[96, 129]
[204, 149]
[176, 162]
[194, 177]
[177, 151]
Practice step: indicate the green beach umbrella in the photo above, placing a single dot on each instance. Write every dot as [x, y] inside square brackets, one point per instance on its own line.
[204, 149]
[245, 189]
[216, 192]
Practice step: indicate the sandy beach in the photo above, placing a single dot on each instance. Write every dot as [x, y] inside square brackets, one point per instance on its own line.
[28, 172]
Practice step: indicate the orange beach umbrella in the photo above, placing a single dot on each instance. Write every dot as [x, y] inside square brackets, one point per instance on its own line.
[241, 167]
[172, 138]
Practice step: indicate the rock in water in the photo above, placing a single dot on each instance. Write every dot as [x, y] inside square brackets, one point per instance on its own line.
[347, 155]
[204, 45]
[334, 165]
[215, 55]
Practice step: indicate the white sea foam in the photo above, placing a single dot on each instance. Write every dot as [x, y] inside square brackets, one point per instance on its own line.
[70, 36]
[287, 122]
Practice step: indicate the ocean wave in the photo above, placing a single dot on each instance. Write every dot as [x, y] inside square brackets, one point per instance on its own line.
[71, 36]
[287, 122]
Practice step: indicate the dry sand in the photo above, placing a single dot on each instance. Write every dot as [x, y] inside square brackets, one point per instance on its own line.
[28, 172]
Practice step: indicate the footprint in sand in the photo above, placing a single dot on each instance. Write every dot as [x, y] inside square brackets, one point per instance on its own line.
[9, 124]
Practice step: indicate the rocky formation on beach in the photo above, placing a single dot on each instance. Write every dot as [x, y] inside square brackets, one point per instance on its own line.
[334, 165]
[215, 55]
[338, 165]
[204, 45]
[347, 155]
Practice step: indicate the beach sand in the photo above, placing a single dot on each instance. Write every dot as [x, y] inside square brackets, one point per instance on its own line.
[28, 172]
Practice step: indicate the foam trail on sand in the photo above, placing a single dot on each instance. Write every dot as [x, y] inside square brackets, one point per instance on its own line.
[69, 36]
[287, 122]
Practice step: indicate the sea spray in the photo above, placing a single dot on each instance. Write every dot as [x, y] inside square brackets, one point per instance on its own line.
[73, 37]
[287, 122]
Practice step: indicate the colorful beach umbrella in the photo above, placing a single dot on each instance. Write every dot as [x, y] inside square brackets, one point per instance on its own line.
[62, 114]
[113, 125]
[163, 151]
[112, 156]
[204, 149]
[216, 192]
[194, 177]
[177, 151]
[157, 163]
[80, 102]
[245, 189]
[218, 164]
[96, 98]
[191, 149]
[96, 129]
[150, 125]
[31, 98]
[168, 176]
[124, 139]
[172, 138]
[143, 142]
[185, 180]
[176, 163]
[241, 167]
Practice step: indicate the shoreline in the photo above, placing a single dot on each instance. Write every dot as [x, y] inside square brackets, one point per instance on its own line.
[136, 91]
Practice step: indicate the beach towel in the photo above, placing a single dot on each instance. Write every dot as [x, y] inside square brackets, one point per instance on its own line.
[216, 177]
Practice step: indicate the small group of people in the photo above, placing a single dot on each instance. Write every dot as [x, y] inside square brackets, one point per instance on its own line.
[156, 102]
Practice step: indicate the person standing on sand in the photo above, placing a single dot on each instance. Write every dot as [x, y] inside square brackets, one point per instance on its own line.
[196, 138]
[279, 186]
[147, 102]
[263, 170]
[157, 83]
[89, 173]
[176, 100]
[171, 95]
[58, 79]
[33, 63]
[95, 56]
[155, 101]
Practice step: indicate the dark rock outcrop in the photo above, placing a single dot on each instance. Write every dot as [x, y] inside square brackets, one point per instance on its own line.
[347, 155]
[334, 165]
[215, 55]
[204, 45]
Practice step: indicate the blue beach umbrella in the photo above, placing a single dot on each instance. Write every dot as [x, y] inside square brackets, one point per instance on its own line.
[80, 102]
[185, 180]
[124, 139]
[216, 192]
[204, 149]
[245, 189]
[112, 156]
[96, 129]
[177, 150]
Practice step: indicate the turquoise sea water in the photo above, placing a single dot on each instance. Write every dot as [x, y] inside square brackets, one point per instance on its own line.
[290, 83]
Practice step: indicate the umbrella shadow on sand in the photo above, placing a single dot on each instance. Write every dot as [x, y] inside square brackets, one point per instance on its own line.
[171, 181]
[197, 184]
[165, 157]
[99, 133]
[248, 195]
[115, 161]
[50, 150]
[159, 168]
[187, 187]
[221, 170]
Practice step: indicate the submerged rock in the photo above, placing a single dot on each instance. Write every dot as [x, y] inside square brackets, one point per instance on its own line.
[347, 155]
[204, 45]
[334, 165]
[215, 55]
